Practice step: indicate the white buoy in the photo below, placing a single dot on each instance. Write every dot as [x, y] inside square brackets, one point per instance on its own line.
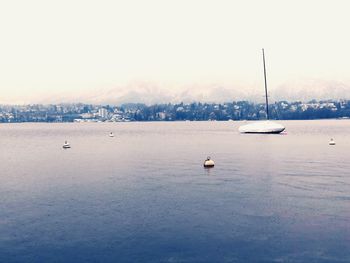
[66, 145]
[331, 142]
[111, 134]
[208, 163]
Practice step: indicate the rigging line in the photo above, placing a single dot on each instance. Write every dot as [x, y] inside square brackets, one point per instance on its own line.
[266, 99]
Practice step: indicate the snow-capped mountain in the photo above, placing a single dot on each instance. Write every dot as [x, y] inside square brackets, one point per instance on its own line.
[151, 93]
[311, 89]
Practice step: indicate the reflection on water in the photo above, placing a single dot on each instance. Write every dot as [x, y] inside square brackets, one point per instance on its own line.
[144, 195]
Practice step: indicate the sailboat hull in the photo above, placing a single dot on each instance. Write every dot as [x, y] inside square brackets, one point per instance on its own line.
[264, 127]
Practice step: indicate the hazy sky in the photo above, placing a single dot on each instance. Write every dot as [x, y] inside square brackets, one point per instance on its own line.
[77, 46]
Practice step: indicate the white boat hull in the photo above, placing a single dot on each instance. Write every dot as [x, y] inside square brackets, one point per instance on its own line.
[262, 127]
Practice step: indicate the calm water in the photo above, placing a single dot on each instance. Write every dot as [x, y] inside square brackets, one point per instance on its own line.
[143, 196]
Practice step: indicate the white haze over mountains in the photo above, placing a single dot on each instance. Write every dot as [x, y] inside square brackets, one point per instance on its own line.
[312, 89]
[153, 93]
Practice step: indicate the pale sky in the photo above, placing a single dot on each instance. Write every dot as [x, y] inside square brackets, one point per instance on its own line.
[80, 46]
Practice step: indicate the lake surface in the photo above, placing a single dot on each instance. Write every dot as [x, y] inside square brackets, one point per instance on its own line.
[144, 196]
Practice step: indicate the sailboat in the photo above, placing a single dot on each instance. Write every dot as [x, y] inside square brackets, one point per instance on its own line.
[263, 126]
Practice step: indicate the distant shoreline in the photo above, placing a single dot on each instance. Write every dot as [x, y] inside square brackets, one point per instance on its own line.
[175, 121]
[196, 111]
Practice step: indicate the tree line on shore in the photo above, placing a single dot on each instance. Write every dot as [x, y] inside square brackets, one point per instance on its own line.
[196, 111]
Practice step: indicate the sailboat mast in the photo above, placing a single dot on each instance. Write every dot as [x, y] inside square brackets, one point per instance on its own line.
[267, 101]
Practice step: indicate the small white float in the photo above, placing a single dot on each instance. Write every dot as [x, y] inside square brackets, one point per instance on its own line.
[66, 145]
[331, 142]
[208, 163]
[111, 134]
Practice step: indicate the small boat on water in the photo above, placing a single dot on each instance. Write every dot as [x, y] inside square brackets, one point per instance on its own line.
[111, 134]
[267, 126]
[208, 163]
[66, 145]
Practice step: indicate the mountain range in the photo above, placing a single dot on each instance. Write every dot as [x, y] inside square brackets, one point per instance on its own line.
[151, 93]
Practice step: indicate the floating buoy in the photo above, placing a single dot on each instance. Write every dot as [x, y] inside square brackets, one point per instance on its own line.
[208, 163]
[331, 142]
[66, 145]
[111, 134]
